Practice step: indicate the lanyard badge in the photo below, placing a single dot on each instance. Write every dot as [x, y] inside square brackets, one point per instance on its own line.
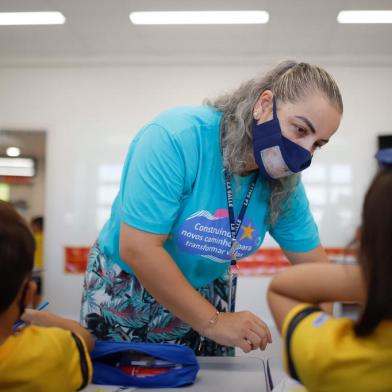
[235, 226]
[233, 250]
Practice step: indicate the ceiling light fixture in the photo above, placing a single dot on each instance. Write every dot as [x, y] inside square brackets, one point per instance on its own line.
[372, 16]
[198, 17]
[13, 151]
[31, 18]
[17, 167]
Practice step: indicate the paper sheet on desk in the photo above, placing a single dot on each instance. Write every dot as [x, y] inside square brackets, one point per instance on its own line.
[108, 388]
[289, 385]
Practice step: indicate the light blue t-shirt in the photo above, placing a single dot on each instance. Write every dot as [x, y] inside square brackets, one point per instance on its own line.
[173, 183]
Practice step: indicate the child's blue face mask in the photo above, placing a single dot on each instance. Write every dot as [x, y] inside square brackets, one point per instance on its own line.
[275, 155]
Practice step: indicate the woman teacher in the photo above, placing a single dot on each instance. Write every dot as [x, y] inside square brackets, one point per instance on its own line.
[200, 188]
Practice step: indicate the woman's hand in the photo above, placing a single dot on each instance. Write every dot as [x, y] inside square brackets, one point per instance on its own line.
[240, 329]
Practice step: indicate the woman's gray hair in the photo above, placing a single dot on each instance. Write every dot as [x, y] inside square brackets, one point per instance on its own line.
[289, 81]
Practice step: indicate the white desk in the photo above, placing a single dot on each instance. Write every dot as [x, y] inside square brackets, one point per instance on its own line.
[217, 374]
[278, 380]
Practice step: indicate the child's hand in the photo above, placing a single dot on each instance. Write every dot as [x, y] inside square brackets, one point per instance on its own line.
[41, 318]
[46, 319]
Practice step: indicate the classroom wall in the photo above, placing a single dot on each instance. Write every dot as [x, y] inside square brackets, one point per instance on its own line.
[92, 112]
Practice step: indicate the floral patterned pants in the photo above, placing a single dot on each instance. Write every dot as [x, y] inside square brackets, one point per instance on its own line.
[115, 306]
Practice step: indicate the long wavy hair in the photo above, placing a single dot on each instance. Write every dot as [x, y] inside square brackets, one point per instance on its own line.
[289, 81]
[375, 253]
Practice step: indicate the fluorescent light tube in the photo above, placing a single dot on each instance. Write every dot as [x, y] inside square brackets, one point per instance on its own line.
[31, 18]
[198, 17]
[372, 16]
[19, 167]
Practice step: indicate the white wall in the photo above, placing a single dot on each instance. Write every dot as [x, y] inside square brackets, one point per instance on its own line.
[92, 113]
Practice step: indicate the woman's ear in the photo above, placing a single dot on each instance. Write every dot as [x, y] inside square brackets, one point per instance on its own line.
[30, 292]
[262, 110]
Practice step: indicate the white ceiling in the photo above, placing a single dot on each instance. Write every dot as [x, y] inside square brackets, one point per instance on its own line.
[99, 30]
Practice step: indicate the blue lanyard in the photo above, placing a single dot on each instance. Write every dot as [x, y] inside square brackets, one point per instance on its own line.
[235, 225]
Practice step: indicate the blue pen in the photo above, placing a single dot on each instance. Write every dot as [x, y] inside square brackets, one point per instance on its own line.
[40, 307]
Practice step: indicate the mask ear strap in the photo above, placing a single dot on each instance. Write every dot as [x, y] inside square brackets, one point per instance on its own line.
[274, 115]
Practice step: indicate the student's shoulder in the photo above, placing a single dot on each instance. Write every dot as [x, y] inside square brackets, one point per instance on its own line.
[310, 319]
[311, 337]
[49, 337]
[295, 318]
[55, 352]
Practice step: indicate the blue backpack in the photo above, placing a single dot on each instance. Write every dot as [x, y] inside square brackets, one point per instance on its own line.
[109, 358]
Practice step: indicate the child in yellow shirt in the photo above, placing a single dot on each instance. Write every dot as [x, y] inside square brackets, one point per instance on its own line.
[338, 354]
[51, 354]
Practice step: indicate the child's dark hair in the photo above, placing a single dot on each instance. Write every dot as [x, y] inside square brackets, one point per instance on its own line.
[17, 248]
[375, 254]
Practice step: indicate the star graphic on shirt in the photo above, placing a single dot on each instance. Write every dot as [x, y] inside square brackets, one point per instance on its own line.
[247, 232]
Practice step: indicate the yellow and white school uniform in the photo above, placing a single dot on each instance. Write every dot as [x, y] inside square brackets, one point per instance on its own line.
[324, 354]
[44, 359]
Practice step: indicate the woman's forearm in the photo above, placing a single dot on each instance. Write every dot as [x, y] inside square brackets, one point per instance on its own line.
[320, 282]
[159, 274]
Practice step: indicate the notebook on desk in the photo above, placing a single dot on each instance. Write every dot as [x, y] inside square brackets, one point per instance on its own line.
[278, 380]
